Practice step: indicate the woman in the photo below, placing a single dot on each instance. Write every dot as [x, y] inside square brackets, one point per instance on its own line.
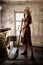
[27, 34]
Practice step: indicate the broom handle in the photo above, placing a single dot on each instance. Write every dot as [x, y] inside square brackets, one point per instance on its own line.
[20, 33]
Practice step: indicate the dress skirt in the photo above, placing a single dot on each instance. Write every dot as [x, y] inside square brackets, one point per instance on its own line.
[27, 37]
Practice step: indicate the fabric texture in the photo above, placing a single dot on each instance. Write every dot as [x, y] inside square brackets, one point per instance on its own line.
[27, 34]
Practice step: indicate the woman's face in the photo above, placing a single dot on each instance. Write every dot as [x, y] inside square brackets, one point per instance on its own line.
[25, 11]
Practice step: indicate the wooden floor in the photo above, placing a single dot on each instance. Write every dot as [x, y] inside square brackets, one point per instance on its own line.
[25, 60]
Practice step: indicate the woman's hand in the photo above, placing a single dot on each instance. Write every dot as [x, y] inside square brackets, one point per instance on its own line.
[20, 31]
[22, 20]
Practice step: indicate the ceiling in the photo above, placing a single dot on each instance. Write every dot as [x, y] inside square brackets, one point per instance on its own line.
[20, 1]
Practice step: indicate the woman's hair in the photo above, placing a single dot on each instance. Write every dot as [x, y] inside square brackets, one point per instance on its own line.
[29, 16]
[28, 12]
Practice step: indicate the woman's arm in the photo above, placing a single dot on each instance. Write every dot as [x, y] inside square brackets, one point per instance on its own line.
[25, 26]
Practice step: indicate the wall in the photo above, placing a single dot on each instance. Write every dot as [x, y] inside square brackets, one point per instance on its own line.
[0, 15]
[8, 20]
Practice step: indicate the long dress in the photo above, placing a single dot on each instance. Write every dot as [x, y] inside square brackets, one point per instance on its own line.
[27, 34]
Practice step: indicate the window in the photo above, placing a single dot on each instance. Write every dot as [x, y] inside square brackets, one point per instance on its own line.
[19, 17]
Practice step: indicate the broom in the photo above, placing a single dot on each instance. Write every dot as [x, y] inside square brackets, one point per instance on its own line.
[17, 52]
